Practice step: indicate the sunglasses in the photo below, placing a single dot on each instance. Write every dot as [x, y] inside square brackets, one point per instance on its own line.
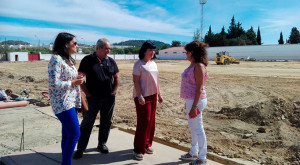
[75, 43]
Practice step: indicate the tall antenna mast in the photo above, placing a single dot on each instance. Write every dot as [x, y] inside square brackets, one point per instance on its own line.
[202, 2]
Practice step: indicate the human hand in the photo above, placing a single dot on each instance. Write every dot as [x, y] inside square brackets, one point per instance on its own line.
[194, 113]
[160, 99]
[79, 76]
[77, 81]
[113, 93]
[142, 101]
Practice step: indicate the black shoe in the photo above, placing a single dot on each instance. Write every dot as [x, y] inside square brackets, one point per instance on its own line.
[103, 149]
[78, 154]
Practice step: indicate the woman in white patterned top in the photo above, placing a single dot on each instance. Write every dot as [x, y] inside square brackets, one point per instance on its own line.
[64, 92]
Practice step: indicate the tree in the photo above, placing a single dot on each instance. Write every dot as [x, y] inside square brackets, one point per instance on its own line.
[232, 29]
[235, 30]
[196, 34]
[218, 40]
[175, 43]
[209, 37]
[294, 36]
[165, 46]
[258, 39]
[280, 41]
[239, 30]
[251, 37]
[223, 33]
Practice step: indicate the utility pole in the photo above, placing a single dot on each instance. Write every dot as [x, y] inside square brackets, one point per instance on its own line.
[38, 43]
[202, 2]
[5, 46]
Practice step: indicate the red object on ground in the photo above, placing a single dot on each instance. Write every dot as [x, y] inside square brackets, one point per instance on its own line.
[13, 104]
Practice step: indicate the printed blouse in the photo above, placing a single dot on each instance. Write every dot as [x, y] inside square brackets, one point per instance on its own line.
[188, 84]
[62, 95]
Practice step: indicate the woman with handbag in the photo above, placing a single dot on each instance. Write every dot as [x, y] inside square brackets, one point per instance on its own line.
[64, 92]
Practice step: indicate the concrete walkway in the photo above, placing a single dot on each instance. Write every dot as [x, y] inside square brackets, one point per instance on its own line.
[120, 145]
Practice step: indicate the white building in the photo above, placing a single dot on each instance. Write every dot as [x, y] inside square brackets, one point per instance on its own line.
[260, 52]
[17, 56]
[173, 53]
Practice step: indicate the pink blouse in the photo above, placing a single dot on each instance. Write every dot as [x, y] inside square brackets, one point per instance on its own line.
[148, 77]
[188, 84]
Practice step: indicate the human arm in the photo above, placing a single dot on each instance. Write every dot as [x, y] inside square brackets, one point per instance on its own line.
[199, 73]
[55, 72]
[160, 98]
[77, 81]
[117, 83]
[138, 89]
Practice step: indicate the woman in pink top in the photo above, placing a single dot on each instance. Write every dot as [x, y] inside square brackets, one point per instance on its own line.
[145, 93]
[193, 91]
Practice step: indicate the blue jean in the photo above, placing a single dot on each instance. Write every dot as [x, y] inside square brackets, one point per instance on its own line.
[70, 134]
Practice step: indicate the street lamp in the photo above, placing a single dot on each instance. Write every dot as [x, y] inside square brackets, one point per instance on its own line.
[202, 2]
[38, 43]
[83, 40]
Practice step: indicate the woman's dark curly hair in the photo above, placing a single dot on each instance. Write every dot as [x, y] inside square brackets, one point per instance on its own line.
[198, 50]
[59, 47]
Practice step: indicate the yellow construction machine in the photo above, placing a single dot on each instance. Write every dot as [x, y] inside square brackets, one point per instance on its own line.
[223, 58]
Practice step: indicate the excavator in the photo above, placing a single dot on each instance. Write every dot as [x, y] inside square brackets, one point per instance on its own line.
[223, 58]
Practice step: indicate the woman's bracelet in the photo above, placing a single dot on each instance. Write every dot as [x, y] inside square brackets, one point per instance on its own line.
[194, 106]
[140, 97]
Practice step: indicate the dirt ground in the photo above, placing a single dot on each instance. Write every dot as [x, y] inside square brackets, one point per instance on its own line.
[253, 110]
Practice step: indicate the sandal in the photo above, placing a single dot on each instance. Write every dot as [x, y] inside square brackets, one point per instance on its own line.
[188, 156]
[138, 156]
[149, 150]
[197, 161]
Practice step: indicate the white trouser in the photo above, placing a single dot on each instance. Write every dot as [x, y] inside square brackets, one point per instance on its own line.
[199, 144]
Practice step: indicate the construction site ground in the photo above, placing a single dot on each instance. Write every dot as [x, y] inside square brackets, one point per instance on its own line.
[253, 110]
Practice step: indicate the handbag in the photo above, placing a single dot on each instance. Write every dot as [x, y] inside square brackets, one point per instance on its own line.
[84, 103]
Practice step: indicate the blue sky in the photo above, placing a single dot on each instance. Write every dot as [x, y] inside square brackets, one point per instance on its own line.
[121, 20]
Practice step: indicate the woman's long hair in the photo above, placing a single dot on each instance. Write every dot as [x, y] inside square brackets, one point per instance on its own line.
[198, 50]
[59, 47]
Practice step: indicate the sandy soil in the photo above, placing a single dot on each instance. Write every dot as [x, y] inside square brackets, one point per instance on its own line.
[253, 110]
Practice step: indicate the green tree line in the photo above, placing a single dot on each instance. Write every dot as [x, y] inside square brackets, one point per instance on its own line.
[35, 50]
[236, 35]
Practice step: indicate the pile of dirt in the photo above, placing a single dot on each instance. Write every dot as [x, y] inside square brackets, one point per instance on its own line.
[27, 79]
[275, 122]
[266, 113]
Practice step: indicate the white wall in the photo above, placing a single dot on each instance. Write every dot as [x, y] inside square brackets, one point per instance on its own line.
[124, 56]
[47, 57]
[260, 52]
[22, 56]
[171, 55]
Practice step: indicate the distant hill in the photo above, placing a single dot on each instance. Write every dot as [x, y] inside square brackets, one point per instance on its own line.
[12, 42]
[139, 43]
